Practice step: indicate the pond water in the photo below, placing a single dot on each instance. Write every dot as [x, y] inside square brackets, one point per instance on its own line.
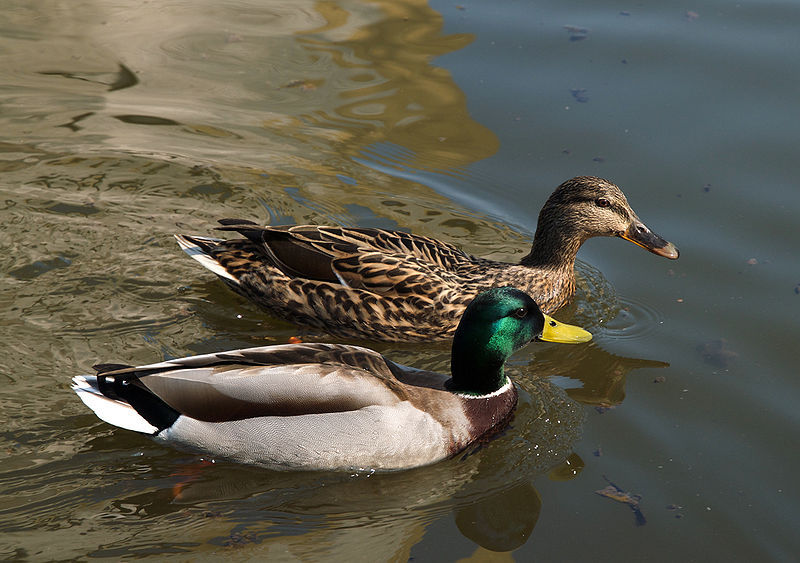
[125, 122]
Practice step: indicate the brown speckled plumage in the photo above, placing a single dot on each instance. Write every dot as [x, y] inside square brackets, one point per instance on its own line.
[390, 285]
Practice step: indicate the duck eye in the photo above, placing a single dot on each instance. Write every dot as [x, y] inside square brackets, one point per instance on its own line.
[553, 323]
[602, 202]
[520, 313]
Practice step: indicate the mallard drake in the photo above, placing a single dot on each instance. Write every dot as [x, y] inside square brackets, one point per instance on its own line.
[391, 285]
[330, 406]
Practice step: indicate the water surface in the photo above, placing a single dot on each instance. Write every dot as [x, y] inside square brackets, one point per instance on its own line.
[125, 123]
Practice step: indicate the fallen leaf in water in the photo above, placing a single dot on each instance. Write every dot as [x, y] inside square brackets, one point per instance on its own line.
[615, 493]
[295, 340]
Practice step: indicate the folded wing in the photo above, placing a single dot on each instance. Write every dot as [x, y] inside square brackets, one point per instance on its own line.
[271, 381]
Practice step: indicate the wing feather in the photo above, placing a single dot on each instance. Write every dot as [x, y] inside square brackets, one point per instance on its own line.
[270, 381]
[310, 251]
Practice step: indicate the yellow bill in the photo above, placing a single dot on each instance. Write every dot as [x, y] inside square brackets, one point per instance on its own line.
[555, 331]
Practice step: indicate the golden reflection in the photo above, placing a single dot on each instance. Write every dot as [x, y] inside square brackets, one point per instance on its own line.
[391, 91]
[367, 89]
[334, 14]
[284, 94]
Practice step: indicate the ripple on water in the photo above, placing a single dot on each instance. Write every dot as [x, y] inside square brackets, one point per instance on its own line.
[599, 309]
[635, 319]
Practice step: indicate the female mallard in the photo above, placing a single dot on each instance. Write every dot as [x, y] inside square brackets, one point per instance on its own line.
[330, 406]
[390, 285]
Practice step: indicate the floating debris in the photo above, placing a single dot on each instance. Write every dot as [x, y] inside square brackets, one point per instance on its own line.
[676, 508]
[580, 95]
[576, 33]
[615, 493]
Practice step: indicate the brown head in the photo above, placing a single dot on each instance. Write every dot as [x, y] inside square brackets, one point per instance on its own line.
[585, 207]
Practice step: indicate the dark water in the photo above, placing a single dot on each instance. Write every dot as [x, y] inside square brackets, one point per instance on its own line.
[125, 123]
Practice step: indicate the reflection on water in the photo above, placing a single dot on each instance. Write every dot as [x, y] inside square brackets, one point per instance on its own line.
[403, 99]
[502, 522]
[600, 375]
[279, 91]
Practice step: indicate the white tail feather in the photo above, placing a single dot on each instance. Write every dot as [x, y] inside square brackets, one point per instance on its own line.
[200, 255]
[108, 410]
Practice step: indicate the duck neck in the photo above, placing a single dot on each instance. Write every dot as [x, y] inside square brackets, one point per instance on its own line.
[476, 366]
[554, 247]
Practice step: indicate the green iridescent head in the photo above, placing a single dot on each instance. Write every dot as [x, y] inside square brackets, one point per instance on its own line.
[496, 324]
